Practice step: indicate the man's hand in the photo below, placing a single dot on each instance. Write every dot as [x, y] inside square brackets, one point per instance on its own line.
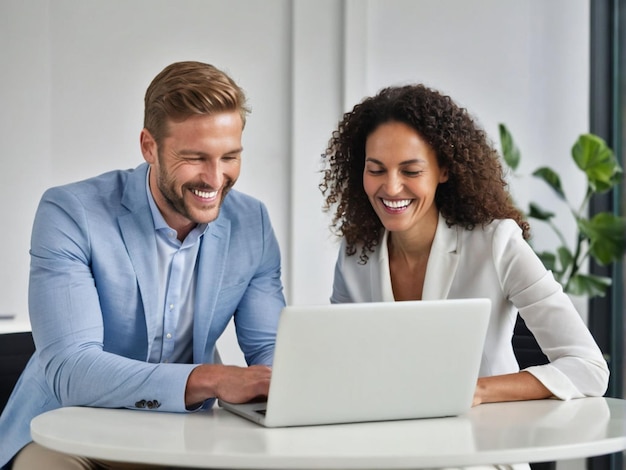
[229, 383]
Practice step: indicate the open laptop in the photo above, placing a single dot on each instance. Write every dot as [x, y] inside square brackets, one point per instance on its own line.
[356, 362]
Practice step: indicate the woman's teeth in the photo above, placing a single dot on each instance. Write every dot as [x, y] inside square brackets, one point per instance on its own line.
[399, 204]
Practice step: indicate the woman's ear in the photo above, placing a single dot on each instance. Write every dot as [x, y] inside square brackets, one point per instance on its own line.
[443, 175]
[148, 146]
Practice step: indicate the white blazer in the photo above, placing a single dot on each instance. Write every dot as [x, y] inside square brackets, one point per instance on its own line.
[497, 263]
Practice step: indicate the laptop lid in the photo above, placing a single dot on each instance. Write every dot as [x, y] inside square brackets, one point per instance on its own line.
[357, 362]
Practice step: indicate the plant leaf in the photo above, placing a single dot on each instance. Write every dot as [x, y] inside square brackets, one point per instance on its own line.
[549, 261]
[538, 213]
[551, 178]
[597, 160]
[588, 284]
[566, 258]
[607, 236]
[510, 152]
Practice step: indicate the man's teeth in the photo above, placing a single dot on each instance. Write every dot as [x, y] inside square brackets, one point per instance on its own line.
[396, 204]
[205, 194]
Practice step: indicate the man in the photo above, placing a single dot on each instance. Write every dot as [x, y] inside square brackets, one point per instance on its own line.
[135, 274]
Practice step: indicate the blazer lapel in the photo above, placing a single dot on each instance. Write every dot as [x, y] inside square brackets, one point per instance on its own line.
[210, 265]
[442, 262]
[386, 289]
[137, 230]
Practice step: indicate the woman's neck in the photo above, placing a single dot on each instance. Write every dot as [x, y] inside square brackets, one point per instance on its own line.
[413, 245]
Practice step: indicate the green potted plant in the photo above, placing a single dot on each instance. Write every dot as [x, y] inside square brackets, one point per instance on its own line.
[601, 237]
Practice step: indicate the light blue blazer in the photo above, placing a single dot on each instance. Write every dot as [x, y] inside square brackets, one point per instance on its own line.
[93, 300]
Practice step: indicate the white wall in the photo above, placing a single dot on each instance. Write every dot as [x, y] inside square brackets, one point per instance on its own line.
[73, 77]
[74, 73]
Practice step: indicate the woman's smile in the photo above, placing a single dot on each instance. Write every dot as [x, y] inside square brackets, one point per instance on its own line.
[396, 206]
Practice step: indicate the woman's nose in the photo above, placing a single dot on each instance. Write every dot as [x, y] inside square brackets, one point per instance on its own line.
[393, 185]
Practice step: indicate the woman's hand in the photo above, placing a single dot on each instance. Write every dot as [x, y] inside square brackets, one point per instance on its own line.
[510, 387]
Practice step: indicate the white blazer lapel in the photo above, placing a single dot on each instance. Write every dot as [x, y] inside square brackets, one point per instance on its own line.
[386, 289]
[442, 262]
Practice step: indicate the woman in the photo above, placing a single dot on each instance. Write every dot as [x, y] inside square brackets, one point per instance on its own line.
[423, 209]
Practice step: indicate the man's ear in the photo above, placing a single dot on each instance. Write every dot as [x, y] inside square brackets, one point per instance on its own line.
[148, 146]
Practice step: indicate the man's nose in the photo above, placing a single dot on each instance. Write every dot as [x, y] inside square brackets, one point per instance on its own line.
[212, 174]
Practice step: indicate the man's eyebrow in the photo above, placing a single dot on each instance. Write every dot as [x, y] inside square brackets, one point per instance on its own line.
[236, 151]
[204, 154]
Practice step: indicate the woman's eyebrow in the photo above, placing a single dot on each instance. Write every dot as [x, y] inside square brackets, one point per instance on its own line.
[412, 161]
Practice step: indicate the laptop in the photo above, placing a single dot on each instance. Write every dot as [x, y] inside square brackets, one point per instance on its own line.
[356, 362]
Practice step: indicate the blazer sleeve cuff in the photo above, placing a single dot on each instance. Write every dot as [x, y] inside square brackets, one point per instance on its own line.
[555, 381]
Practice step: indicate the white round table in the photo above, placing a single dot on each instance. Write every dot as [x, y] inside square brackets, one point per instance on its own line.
[531, 431]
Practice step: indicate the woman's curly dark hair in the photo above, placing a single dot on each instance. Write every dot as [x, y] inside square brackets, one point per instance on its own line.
[474, 195]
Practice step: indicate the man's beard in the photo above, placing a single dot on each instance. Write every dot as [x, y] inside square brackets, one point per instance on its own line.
[177, 202]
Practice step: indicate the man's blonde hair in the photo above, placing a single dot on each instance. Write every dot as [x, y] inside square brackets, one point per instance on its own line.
[183, 89]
